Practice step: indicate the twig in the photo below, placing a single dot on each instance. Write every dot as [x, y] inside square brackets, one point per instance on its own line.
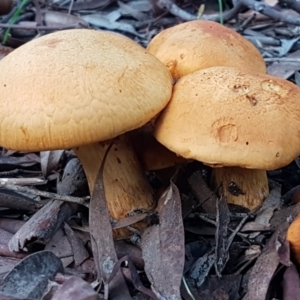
[235, 232]
[175, 10]
[283, 59]
[269, 11]
[293, 4]
[38, 13]
[28, 27]
[243, 236]
[178, 12]
[245, 24]
[23, 189]
[257, 6]
[18, 171]
[22, 181]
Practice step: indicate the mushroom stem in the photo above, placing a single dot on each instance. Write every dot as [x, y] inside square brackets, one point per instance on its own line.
[126, 187]
[240, 186]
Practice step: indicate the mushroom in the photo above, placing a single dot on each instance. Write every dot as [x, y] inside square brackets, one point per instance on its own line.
[293, 237]
[240, 123]
[77, 88]
[201, 44]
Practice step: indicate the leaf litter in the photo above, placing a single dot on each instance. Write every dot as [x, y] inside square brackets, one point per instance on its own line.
[214, 251]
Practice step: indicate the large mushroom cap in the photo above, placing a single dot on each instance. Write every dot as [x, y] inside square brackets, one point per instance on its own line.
[223, 116]
[75, 87]
[201, 44]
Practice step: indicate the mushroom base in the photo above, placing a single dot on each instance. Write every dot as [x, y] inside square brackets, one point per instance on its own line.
[126, 187]
[245, 187]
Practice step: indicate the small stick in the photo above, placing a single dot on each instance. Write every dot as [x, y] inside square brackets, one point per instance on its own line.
[22, 181]
[23, 189]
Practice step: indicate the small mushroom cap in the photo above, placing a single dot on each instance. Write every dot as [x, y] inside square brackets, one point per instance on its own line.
[201, 44]
[224, 116]
[76, 87]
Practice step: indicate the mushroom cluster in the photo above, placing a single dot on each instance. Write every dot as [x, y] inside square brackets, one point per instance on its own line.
[224, 107]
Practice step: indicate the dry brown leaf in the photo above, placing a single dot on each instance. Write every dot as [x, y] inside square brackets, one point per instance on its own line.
[75, 286]
[53, 18]
[49, 161]
[163, 247]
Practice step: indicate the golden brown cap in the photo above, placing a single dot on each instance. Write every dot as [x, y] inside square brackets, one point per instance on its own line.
[223, 116]
[201, 44]
[76, 87]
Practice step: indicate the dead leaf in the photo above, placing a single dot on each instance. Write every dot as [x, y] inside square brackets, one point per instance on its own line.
[285, 69]
[127, 9]
[267, 263]
[61, 247]
[14, 200]
[11, 225]
[49, 161]
[6, 265]
[55, 18]
[73, 181]
[291, 284]
[88, 4]
[75, 288]
[43, 224]
[102, 241]
[11, 162]
[103, 22]
[265, 213]
[201, 268]
[127, 221]
[29, 278]
[253, 226]
[207, 199]
[134, 252]
[163, 247]
[215, 288]
[79, 251]
[223, 220]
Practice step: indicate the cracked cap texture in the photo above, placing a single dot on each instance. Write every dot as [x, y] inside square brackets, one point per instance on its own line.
[223, 116]
[76, 87]
[201, 44]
